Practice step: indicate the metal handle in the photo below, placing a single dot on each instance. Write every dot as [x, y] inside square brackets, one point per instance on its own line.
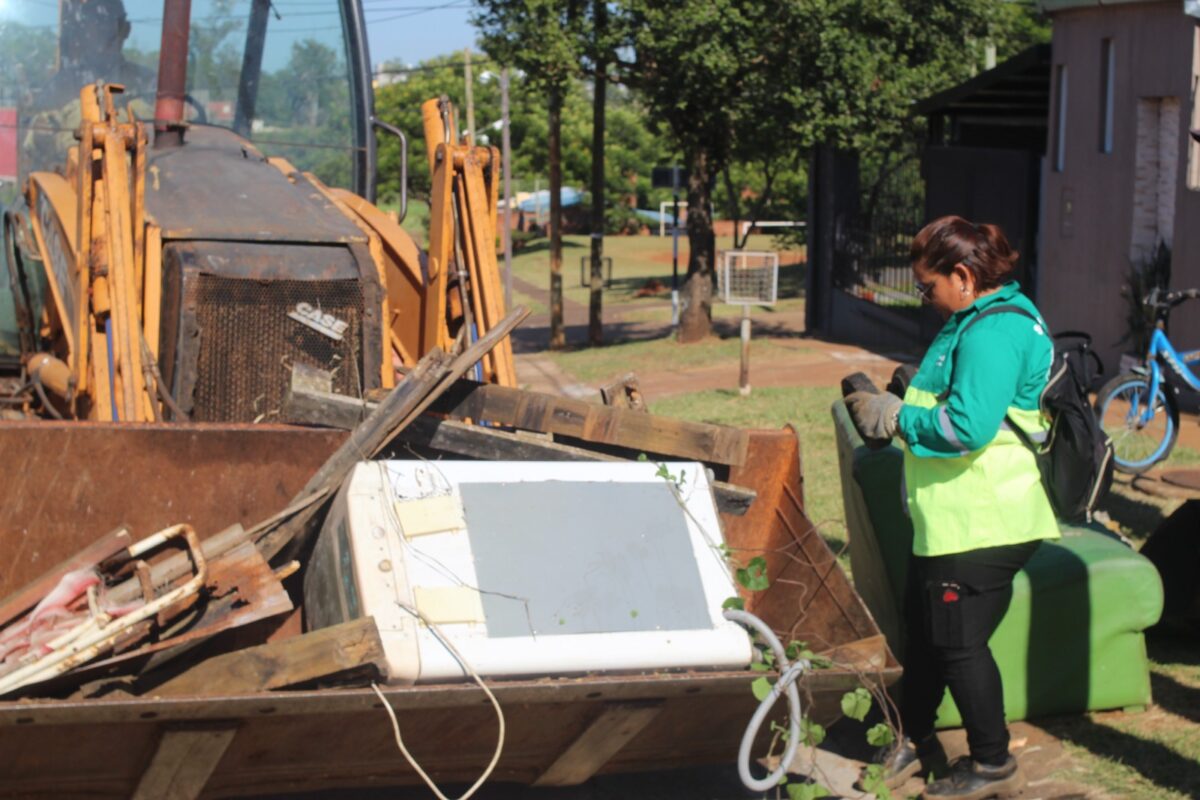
[399, 134]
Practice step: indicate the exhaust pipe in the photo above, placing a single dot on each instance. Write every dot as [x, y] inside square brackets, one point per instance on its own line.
[172, 74]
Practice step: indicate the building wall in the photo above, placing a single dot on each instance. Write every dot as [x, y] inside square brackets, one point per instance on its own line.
[1103, 208]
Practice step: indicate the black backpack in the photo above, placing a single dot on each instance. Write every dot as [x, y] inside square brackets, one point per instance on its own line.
[1076, 460]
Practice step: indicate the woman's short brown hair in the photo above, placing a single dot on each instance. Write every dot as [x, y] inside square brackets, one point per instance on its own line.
[983, 249]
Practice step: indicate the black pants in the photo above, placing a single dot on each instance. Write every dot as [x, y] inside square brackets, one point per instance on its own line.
[952, 606]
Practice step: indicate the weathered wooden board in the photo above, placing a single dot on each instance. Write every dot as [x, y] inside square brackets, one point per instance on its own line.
[590, 422]
[183, 762]
[350, 647]
[599, 742]
[312, 407]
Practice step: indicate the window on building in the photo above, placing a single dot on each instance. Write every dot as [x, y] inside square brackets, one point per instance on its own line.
[1193, 166]
[1156, 175]
[1108, 72]
[1060, 117]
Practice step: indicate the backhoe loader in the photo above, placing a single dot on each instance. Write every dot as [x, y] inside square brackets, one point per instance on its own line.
[178, 269]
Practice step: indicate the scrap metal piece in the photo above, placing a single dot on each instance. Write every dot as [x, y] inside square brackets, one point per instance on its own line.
[100, 630]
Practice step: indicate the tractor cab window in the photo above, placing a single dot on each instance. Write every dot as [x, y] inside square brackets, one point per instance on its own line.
[275, 71]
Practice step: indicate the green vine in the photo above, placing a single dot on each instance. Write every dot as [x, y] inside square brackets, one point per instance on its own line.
[855, 704]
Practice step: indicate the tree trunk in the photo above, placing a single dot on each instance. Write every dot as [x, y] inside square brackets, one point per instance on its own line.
[558, 338]
[695, 323]
[595, 317]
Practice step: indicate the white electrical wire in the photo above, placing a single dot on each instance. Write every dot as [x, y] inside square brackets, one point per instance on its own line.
[788, 673]
[474, 675]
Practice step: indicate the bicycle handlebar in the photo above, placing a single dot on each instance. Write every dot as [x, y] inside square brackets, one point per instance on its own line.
[1160, 299]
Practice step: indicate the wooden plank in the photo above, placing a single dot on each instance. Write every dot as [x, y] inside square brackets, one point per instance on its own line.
[350, 648]
[602, 740]
[311, 407]
[589, 422]
[183, 762]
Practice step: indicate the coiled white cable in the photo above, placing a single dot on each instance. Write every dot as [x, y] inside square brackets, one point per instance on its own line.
[788, 674]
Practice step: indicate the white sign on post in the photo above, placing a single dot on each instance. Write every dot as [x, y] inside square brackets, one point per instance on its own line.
[748, 278]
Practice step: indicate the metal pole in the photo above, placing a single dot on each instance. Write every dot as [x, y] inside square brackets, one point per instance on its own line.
[172, 73]
[675, 248]
[744, 372]
[506, 156]
[470, 96]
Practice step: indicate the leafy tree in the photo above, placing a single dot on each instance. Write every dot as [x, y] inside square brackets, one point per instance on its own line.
[700, 65]
[748, 88]
[541, 38]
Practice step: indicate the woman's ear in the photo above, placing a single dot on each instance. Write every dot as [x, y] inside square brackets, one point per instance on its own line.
[966, 278]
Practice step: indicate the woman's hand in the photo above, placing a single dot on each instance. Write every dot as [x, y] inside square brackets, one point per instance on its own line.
[875, 415]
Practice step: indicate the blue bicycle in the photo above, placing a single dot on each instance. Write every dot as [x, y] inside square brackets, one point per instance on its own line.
[1139, 410]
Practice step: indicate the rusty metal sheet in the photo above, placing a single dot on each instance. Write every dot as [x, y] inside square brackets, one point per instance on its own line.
[241, 589]
[810, 598]
[219, 186]
[69, 483]
[284, 742]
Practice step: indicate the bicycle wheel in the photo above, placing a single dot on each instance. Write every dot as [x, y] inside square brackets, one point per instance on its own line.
[1121, 406]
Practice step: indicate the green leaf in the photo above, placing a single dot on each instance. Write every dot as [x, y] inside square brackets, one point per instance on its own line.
[758, 666]
[880, 735]
[873, 782]
[754, 575]
[856, 704]
[642, 457]
[806, 791]
[796, 650]
[734, 602]
[761, 688]
[811, 732]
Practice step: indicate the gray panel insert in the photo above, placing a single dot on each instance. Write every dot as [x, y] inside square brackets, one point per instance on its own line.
[585, 556]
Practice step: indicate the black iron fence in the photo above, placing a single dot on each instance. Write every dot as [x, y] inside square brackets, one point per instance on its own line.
[871, 249]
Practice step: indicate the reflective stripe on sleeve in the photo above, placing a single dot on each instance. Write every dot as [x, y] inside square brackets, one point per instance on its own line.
[948, 431]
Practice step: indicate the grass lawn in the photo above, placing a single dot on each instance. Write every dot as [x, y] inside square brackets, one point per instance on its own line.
[807, 408]
[1154, 754]
[601, 364]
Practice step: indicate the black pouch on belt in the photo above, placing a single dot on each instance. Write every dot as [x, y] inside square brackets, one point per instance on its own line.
[949, 612]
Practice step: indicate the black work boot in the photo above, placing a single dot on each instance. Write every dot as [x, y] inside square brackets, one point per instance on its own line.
[972, 780]
[903, 759]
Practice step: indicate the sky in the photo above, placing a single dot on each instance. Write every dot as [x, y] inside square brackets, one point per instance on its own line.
[407, 31]
[410, 31]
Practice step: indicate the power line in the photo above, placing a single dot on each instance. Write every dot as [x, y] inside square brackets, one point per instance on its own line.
[451, 4]
[429, 67]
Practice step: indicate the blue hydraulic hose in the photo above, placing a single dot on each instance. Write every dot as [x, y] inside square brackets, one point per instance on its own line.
[478, 364]
[112, 387]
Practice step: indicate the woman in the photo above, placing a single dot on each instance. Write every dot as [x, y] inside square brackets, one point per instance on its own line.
[974, 493]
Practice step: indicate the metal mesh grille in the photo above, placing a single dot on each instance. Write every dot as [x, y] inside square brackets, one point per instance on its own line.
[248, 343]
[749, 277]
